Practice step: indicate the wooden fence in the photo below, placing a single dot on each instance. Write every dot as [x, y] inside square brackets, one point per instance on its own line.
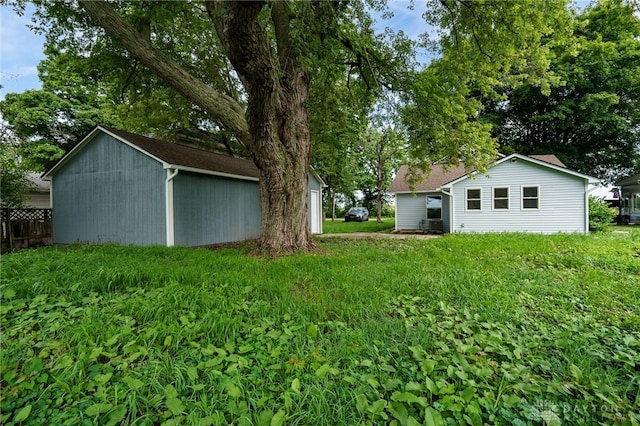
[22, 228]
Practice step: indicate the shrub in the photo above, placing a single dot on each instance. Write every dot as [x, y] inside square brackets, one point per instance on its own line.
[600, 214]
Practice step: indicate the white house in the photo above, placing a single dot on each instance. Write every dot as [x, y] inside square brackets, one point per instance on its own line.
[517, 193]
[630, 197]
[38, 196]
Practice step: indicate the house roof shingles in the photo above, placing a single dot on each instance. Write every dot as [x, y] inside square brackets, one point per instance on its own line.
[549, 158]
[440, 175]
[180, 155]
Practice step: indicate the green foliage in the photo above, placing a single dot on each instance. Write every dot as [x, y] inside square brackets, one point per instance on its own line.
[362, 332]
[600, 214]
[484, 48]
[590, 121]
[339, 226]
[14, 183]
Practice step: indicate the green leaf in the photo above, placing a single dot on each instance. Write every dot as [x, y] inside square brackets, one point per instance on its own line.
[170, 391]
[192, 372]
[428, 365]
[409, 397]
[278, 418]
[103, 378]
[10, 294]
[312, 331]
[23, 413]
[97, 409]
[468, 393]
[575, 372]
[377, 407]
[232, 390]
[412, 422]
[175, 405]
[399, 411]
[113, 340]
[432, 417]
[167, 340]
[132, 382]
[323, 370]
[264, 418]
[362, 403]
[116, 416]
[295, 385]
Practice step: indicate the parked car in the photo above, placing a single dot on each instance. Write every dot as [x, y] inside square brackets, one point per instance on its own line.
[358, 214]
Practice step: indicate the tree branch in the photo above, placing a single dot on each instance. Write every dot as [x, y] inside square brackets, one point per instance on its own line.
[218, 106]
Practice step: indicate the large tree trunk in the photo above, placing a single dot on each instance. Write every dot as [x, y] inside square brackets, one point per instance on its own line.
[282, 156]
[275, 127]
[278, 91]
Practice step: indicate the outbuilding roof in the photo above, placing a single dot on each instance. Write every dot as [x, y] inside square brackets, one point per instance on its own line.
[180, 155]
[172, 155]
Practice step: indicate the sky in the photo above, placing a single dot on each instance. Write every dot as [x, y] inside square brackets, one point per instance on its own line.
[21, 49]
[20, 53]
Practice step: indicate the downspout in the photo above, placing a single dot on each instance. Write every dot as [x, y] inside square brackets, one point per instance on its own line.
[586, 205]
[452, 212]
[168, 190]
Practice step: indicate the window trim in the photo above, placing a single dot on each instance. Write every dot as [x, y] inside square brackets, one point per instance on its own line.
[493, 198]
[522, 197]
[441, 207]
[466, 199]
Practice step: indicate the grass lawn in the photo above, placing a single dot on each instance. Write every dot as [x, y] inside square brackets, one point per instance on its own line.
[340, 226]
[464, 329]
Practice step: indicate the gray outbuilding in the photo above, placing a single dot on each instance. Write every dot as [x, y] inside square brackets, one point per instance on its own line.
[116, 186]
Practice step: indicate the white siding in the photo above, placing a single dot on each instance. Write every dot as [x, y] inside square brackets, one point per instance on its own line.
[561, 201]
[412, 208]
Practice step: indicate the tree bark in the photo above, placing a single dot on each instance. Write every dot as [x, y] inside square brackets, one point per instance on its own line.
[275, 127]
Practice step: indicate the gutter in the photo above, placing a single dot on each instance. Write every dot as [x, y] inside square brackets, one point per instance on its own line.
[586, 205]
[168, 190]
[452, 212]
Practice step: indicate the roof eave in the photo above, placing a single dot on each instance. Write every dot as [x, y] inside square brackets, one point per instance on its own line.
[209, 172]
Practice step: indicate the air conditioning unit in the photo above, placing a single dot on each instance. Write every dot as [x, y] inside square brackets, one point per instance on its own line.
[435, 226]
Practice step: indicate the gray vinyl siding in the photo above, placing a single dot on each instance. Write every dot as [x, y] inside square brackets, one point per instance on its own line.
[211, 210]
[109, 192]
[561, 201]
[412, 208]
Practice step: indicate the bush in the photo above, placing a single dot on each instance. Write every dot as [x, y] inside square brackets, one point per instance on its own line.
[600, 215]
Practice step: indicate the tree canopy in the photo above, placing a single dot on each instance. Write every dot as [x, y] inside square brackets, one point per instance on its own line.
[263, 74]
[591, 121]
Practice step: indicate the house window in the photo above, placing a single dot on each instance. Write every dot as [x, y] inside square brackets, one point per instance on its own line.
[434, 207]
[474, 197]
[530, 197]
[501, 198]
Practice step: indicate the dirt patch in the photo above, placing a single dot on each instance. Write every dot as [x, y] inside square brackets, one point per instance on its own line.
[380, 235]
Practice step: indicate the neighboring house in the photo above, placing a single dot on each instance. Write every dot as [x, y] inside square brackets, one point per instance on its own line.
[630, 196]
[116, 186]
[38, 196]
[518, 193]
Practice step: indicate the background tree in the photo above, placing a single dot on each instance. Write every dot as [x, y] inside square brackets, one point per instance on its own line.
[271, 48]
[484, 47]
[591, 121]
[14, 183]
[375, 159]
